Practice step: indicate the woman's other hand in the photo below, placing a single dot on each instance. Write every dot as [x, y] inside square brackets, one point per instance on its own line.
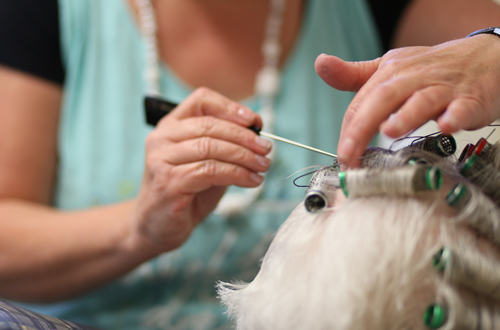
[455, 83]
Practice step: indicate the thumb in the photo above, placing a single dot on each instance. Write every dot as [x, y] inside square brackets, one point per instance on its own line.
[342, 75]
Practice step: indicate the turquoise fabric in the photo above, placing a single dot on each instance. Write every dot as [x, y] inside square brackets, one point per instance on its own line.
[101, 149]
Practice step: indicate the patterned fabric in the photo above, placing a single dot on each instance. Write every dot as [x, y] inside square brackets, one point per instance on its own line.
[13, 317]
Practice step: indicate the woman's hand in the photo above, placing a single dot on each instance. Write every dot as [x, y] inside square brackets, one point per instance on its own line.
[195, 152]
[455, 83]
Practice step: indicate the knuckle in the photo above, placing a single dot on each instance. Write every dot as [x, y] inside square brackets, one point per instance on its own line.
[349, 116]
[386, 92]
[201, 97]
[428, 98]
[204, 147]
[206, 125]
[404, 52]
[390, 63]
[209, 168]
[350, 112]
[392, 53]
[151, 140]
[241, 155]
[241, 135]
[241, 174]
[202, 92]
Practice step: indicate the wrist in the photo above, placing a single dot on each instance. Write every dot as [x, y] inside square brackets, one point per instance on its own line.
[132, 244]
[487, 42]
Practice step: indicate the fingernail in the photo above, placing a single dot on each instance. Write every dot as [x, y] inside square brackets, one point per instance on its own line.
[246, 114]
[255, 177]
[346, 148]
[449, 120]
[263, 161]
[263, 142]
[394, 124]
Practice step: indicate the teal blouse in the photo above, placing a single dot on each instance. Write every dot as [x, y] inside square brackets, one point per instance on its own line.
[101, 156]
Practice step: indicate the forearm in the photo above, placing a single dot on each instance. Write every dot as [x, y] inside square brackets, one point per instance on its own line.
[430, 22]
[49, 255]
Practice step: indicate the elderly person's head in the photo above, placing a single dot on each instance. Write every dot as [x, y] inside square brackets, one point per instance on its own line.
[406, 243]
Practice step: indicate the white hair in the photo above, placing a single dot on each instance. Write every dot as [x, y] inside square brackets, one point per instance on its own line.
[366, 264]
[342, 270]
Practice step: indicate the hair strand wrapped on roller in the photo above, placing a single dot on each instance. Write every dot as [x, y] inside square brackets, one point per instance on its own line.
[403, 181]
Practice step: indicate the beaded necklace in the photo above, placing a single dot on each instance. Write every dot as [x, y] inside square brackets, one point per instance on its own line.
[266, 84]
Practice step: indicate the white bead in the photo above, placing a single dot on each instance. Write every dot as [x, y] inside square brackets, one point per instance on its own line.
[268, 81]
[271, 50]
[151, 75]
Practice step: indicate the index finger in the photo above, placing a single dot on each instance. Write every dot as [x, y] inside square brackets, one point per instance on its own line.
[206, 102]
[369, 108]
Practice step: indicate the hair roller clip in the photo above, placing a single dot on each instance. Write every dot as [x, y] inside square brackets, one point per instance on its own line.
[435, 316]
[442, 145]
